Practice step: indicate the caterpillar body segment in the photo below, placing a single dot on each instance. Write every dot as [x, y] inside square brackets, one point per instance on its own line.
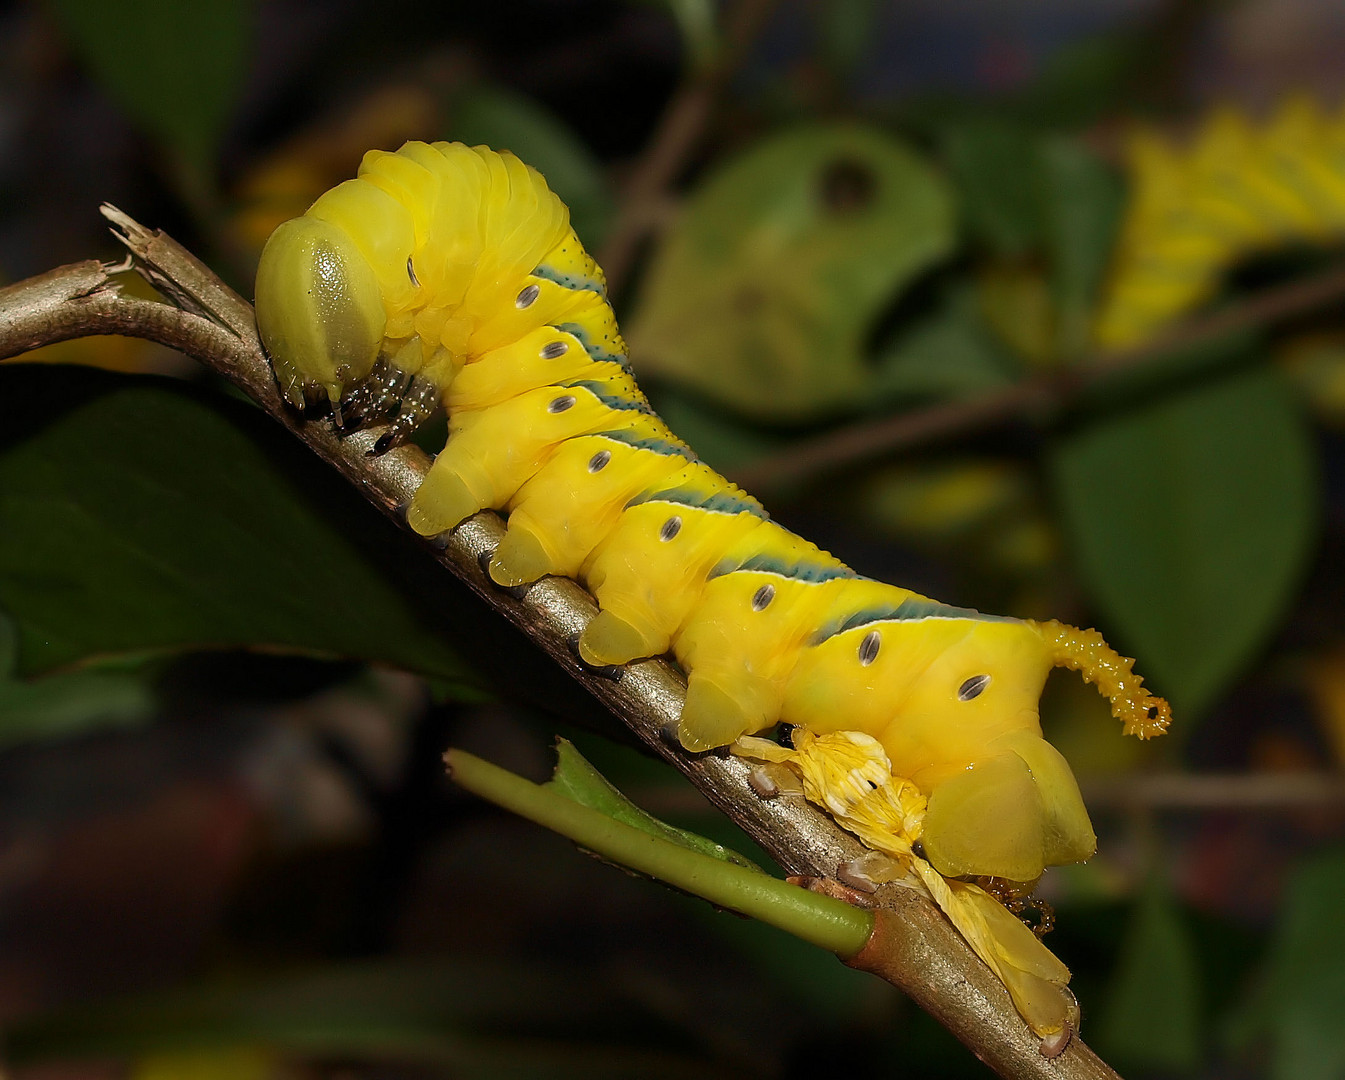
[447, 274]
[564, 512]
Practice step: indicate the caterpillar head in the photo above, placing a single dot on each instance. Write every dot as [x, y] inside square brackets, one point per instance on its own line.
[319, 309]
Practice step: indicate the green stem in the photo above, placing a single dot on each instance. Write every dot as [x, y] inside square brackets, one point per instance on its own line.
[830, 924]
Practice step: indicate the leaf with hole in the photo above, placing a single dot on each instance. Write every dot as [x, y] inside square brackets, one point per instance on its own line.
[765, 293]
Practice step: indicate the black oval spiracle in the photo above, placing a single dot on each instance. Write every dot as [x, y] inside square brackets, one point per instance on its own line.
[761, 599]
[527, 296]
[868, 648]
[972, 687]
[554, 350]
[599, 461]
[670, 528]
[560, 404]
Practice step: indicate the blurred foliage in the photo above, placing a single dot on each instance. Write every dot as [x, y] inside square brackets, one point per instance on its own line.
[843, 247]
[177, 69]
[1304, 983]
[1152, 1019]
[780, 265]
[1156, 503]
[200, 540]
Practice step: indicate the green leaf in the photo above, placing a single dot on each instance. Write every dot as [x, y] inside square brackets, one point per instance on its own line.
[578, 780]
[765, 293]
[1299, 1003]
[1081, 207]
[65, 704]
[475, 1019]
[720, 439]
[504, 120]
[1152, 1015]
[848, 31]
[994, 165]
[141, 514]
[945, 355]
[1191, 519]
[176, 68]
[1023, 194]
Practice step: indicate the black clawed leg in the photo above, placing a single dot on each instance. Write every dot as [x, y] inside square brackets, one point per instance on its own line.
[518, 592]
[602, 671]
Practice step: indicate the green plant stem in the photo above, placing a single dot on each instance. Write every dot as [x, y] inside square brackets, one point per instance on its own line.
[820, 920]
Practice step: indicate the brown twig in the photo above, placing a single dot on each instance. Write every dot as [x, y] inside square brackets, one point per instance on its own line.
[913, 946]
[1286, 792]
[675, 137]
[1046, 392]
[1256, 792]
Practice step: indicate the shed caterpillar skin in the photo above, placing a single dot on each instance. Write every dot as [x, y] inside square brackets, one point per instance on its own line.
[450, 275]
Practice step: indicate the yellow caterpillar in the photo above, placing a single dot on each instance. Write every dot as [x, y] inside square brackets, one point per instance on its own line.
[449, 275]
[1234, 192]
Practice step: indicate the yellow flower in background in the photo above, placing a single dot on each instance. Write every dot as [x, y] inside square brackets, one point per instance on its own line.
[232, 1063]
[1235, 191]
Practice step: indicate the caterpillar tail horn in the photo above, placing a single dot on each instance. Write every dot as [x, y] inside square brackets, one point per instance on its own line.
[1143, 714]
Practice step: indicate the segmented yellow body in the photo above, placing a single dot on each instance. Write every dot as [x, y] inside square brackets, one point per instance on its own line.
[448, 274]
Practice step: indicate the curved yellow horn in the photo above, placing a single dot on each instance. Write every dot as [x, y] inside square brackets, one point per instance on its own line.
[1086, 652]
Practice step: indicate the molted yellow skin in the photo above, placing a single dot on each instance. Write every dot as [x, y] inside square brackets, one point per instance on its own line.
[452, 272]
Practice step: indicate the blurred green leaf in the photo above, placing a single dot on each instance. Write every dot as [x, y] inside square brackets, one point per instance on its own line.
[176, 68]
[1152, 1014]
[720, 439]
[1087, 81]
[763, 296]
[1081, 207]
[947, 354]
[481, 1019]
[139, 514]
[847, 29]
[1191, 519]
[505, 120]
[994, 165]
[1299, 1003]
[579, 781]
[67, 703]
[1026, 194]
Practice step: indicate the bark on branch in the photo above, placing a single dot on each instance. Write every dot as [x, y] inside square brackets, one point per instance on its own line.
[914, 946]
